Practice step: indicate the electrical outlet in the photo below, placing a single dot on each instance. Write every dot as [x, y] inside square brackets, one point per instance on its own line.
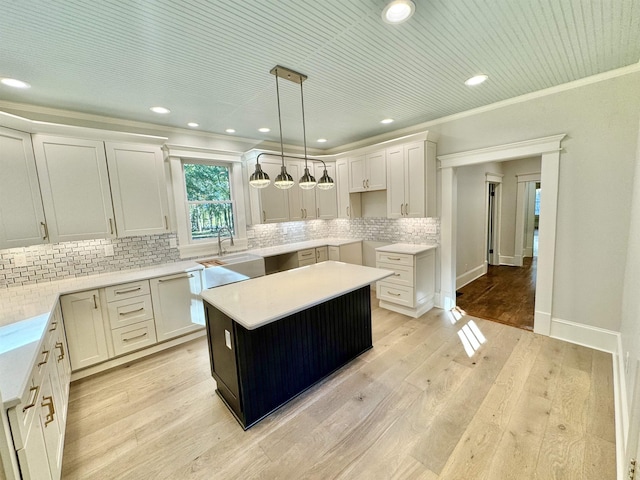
[173, 243]
[108, 251]
[285, 230]
[20, 260]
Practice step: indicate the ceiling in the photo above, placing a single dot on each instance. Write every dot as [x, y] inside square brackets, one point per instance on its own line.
[209, 61]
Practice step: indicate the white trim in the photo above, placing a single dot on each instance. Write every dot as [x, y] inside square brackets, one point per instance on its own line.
[528, 177]
[511, 261]
[494, 177]
[521, 214]
[202, 153]
[116, 362]
[471, 275]
[621, 407]
[585, 335]
[409, 312]
[549, 148]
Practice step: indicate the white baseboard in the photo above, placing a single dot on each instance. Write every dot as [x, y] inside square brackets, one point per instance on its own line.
[471, 275]
[510, 261]
[585, 335]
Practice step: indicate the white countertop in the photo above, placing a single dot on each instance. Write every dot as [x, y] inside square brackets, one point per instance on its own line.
[262, 300]
[294, 247]
[407, 248]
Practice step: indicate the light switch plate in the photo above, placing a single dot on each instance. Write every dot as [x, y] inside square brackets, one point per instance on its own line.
[173, 243]
[20, 260]
[227, 339]
[108, 251]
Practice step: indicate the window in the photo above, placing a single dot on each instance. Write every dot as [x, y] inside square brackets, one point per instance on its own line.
[209, 200]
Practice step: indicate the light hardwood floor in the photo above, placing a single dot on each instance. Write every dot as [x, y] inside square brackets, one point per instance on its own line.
[416, 406]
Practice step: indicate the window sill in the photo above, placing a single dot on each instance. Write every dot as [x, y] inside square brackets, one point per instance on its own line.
[211, 248]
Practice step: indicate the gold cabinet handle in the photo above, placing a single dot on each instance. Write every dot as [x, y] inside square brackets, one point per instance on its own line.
[33, 395]
[394, 294]
[60, 346]
[402, 209]
[166, 223]
[122, 292]
[111, 226]
[54, 326]
[367, 183]
[264, 216]
[308, 254]
[189, 275]
[318, 209]
[406, 209]
[46, 230]
[133, 338]
[364, 185]
[95, 302]
[122, 314]
[396, 274]
[46, 358]
[348, 213]
[395, 259]
[301, 213]
[48, 402]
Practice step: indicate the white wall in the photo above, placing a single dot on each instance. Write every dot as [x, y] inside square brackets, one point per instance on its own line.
[595, 184]
[511, 170]
[470, 255]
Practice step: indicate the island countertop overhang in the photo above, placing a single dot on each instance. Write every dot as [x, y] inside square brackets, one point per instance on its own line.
[260, 301]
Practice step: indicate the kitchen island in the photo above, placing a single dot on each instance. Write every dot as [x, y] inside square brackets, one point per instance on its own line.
[271, 338]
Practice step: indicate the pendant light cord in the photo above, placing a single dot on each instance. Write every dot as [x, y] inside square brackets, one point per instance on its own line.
[280, 119]
[304, 128]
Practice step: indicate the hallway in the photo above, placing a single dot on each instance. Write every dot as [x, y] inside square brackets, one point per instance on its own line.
[505, 294]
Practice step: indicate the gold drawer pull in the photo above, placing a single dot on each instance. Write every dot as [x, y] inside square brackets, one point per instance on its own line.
[46, 358]
[190, 275]
[394, 294]
[54, 326]
[122, 292]
[132, 311]
[395, 259]
[33, 395]
[61, 347]
[308, 254]
[48, 402]
[396, 274]
[133, 338]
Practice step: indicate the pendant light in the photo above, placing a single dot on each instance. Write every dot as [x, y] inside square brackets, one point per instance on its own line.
[283, 180]
[259, 179]
[325, 182]
[307, 181]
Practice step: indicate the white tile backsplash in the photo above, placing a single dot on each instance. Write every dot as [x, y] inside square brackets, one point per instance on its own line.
[76, 259]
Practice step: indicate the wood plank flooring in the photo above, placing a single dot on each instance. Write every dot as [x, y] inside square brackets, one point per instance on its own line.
[416, 406]
[505, 294]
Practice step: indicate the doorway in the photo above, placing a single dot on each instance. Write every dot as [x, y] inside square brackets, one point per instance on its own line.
[548, 148]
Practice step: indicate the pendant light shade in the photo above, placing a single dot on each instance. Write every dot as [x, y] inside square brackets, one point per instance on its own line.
[283, 180]
[307, 181]
[259, 179]
[325, 182]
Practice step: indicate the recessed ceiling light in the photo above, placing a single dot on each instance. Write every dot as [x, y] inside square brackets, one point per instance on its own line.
[15, 83]
[264, 130]
[321, 140]
[231, 130]
[387, 120]
[162, 110]
[476, 80]
[398, 11]
[193, 124]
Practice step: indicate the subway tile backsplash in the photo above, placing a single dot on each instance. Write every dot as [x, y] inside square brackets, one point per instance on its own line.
[43, 263]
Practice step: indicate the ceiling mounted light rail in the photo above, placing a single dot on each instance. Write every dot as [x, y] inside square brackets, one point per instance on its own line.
[260, 179]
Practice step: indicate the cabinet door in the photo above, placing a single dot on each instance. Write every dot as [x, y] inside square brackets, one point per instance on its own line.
[84, 326]
[415, 186]
[274, 202]
[296, 207]
[395, 182]
[51, 421]
[342, 188]
[34, 463]
[377, 170]
[326, 200]
[322, 254]
[138, 189]
[75, 188]
[357, 174]
[177, 305]
[22, 220]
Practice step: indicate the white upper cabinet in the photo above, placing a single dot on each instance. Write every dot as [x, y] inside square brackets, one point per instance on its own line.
[273, 202]
[302, 203]
[22, 221]
[348, 205]
[75, 188]
[368, 172]
[411, 180]
[326, 200]
[138, 189]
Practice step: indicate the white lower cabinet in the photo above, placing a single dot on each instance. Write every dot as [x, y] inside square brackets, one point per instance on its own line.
[322, 254]
[411, 288]
[348, 253]
[177, 306]
[38, 421]
[84, 325]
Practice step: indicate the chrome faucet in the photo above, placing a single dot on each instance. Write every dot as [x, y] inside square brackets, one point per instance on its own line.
[220, 240]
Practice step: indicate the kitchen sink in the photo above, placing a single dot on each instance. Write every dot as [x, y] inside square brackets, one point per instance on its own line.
[243, 263]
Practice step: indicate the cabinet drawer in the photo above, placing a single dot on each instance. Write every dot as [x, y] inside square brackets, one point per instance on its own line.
[133, 337]
[394, 258]
[395, 294]
[306, 261]
[127, 290]
[129, 311]
[307, 254]
[402, 275]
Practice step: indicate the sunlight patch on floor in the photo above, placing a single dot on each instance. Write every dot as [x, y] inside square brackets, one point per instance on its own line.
[471, 338]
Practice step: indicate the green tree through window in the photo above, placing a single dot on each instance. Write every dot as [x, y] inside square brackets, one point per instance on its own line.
[208, 199]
